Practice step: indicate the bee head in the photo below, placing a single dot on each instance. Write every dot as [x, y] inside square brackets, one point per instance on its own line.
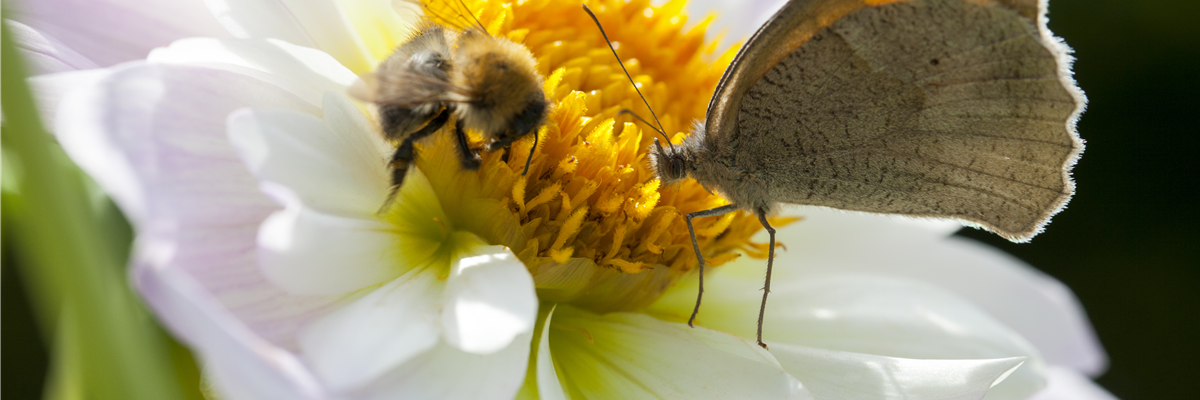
[668, 162]
[522, 123]
[506, 101]
[531, 117]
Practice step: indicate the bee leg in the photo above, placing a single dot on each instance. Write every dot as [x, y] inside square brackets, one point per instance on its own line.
[762, 309]
[399, 165]
[499, 144]
[504, 143]
[696, 246]
[405, 153]
[530, 158]
[470, 160]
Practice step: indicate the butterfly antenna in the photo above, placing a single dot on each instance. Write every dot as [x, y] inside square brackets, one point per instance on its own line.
[660, 129]
[639, 118]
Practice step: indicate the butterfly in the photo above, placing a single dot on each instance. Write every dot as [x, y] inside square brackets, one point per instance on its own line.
[961, 109]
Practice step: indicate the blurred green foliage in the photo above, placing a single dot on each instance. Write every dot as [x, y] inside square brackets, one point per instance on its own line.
[68, 244]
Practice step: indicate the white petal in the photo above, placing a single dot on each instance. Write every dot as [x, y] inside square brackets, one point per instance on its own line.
[49, 90]
[329, 239]
[376, 333]
[627, 355]
[223, 260]
[862, 314]
[309, 252]
[336, 166]
[318, 24]
[242, 365]
[548, 386]
[309, 71]
[259, 19]
[738, 18]
[108, 32]
[900, 319]
[450, 374]
[159, 148]
[1068, 384]
[1039, 308]
[154, 137]
[45, 54]
[381, 25]
[490, 300]
[849, 376]
[839, 226]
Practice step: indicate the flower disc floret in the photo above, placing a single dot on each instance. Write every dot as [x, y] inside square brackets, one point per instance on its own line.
[590, 220]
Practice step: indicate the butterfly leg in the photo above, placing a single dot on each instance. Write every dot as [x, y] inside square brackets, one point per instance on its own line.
[696, 246]
[470, 160]
[762, 309]
[405, 153]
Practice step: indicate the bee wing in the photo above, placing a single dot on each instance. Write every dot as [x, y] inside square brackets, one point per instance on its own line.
[406, 89]
[364, 88]
[452, 13]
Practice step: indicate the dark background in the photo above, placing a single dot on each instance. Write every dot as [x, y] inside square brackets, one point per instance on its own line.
[1128, 244]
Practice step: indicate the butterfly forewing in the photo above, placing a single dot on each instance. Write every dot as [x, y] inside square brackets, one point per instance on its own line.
[926, 108]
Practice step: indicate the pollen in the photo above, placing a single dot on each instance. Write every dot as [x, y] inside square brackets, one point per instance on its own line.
[590, 220]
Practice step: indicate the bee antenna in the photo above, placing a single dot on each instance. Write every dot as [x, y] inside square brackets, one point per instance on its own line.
[635, 86]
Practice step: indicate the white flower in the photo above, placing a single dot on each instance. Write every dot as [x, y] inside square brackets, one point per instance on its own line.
[254, 183]
[69, 35]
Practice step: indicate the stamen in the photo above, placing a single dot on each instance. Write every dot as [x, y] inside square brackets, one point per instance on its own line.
[558, 253]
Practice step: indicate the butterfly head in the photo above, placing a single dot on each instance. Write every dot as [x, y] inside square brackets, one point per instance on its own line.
[668, 162]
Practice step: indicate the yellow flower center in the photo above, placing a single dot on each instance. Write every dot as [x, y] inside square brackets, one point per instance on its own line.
[590, 220]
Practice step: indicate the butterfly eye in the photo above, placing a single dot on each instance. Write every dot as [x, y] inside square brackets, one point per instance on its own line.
[669, 163]
[675, 166]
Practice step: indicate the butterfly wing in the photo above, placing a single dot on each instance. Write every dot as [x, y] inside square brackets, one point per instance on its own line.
[940, 108]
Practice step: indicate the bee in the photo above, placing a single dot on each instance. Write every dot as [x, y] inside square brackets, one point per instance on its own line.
[455, 71]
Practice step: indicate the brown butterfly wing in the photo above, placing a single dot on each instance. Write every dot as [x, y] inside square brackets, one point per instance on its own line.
[940, 108]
